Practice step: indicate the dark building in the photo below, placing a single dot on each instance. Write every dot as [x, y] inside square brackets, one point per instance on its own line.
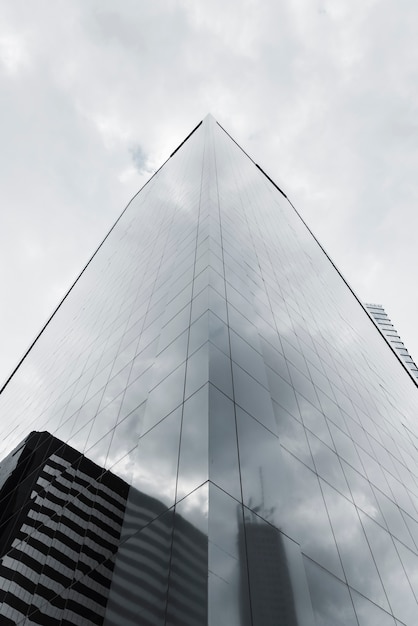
[263, 548]
[231, 441]
[71, 550]
[61, 517]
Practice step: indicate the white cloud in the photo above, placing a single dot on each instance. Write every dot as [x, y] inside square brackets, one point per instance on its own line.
[13, 53]
[322, 95]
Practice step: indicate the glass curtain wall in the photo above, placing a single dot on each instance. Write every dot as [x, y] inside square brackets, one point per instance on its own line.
[211, 429]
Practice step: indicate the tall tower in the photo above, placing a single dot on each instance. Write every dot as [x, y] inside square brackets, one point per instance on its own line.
[209, 429]
[391, 335]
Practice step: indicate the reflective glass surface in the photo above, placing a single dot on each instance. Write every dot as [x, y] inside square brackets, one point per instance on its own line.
[210, 430]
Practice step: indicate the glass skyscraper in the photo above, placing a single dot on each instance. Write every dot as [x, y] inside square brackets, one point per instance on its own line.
[210, 429]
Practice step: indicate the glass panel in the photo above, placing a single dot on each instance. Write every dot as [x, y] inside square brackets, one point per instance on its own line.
[259, 466]
[400, 596]
[302, 384]
[220, 370]
[228, 574]
[330, 597]
[302, 514]
[243, 327]
[218, 333]
[193, 462]
[369, 614]
[174, 328]
[199, 333]
[345, 448]
[188, 583]
[358, 563]
[328, 465]
[140, 579]
[278, 591]
[314, 420]
[253, 397]
[156, 461]
[400, 494]
[408, 559]
[282, 393]
[197, 373]
[223, 449]
[165, 397]
[394, 519]
[363, 494]
[275, 360]
[293, 437]
[169, 359]
[300, 589]
[248, 358]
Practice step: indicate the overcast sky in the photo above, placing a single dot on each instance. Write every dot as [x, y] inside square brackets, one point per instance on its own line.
[96, 94]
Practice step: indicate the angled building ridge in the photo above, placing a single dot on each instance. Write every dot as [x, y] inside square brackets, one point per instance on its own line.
[209, 430]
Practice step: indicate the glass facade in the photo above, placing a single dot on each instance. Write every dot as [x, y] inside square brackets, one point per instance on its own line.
[210, 430]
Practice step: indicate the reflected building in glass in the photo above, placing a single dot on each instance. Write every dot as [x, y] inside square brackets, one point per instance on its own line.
[63, 524]
[209, 429]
